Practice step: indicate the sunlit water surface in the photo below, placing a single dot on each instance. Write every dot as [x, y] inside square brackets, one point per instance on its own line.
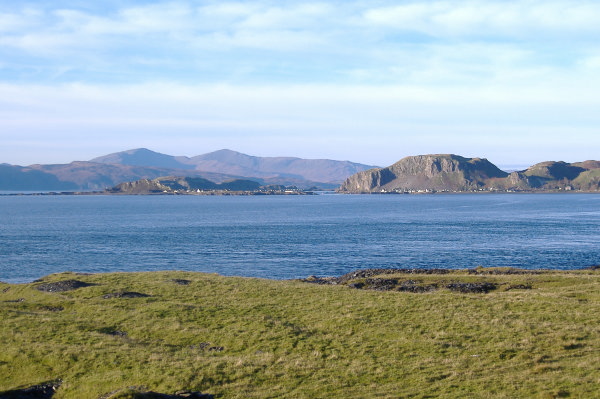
[295, 236]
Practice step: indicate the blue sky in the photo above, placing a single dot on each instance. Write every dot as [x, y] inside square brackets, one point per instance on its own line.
[516, 82]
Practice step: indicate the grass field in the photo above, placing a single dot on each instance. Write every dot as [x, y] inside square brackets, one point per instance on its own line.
[533, 336]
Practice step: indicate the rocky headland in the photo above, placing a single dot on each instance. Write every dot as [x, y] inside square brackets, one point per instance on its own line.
[454, 173]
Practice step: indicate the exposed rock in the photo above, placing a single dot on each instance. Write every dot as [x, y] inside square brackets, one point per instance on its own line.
[180, 281]
[45, 390]
[384, 284]
[61, 286]
[453, 173]
[176, 184]
[519, 287]
[112, 331]
[138, 393]
[358, 285]
[125, 294]
[445, 172]
[371, 279]
[216, 349]
[468, 288]
[416, 287]
[366, 273]
[143, 186]
[381, 284]
[15, 300]
[503, 270]
[207, 346]
[320, 280]
[52, 308]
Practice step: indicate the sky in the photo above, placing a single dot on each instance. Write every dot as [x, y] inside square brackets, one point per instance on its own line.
[516, 82]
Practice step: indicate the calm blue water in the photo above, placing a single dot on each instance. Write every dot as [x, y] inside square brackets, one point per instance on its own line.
[295, 236]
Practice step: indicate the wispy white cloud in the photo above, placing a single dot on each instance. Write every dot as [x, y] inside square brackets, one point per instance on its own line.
[322, 41]
[514, 19]
[492, 74]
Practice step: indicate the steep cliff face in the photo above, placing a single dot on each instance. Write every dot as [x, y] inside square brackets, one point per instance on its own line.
[444, 172]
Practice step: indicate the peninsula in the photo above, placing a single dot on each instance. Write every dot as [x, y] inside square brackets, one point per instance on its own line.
[454, 173]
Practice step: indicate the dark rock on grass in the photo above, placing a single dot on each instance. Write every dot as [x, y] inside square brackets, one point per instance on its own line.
[132, 393]
[384, 284]
[503, 271]
[16, 300]
[366, 273]
[112, 331]
[320, 280]
[358, 285]
[125, 294]
[519, 287]
[216, 349]
[596, 267]
[381, 284]
[62, 286]
[52, 308]
[45, 390]
[469, 288]
[206, 346]
[181, 281]
[415, 287]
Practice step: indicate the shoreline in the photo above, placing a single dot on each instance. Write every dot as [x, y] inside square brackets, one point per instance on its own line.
[334, 280]
[10, 193]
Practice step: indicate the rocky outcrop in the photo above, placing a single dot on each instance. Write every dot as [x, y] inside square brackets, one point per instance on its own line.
[445, 172]
[174, 184]
[453, 173]
[45, 390]
[62, 286]
[144, 186]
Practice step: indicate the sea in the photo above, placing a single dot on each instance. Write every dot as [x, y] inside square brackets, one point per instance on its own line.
[287, 237]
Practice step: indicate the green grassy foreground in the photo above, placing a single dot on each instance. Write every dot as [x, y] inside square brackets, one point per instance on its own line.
[536, 335]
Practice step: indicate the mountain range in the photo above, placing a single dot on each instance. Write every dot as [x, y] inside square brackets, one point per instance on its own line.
[454, 173]
[422, 173]
[219, 166]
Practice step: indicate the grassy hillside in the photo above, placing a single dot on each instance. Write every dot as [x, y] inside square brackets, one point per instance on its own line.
[532, 335]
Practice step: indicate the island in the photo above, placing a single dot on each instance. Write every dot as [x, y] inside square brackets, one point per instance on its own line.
[453, 173]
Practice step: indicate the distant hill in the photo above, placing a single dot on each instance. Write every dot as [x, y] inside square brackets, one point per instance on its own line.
[19, 178]
[425, 172]
[453, 173]
[86, 176]
[281, 170]
[145, 157]
[219, 166]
